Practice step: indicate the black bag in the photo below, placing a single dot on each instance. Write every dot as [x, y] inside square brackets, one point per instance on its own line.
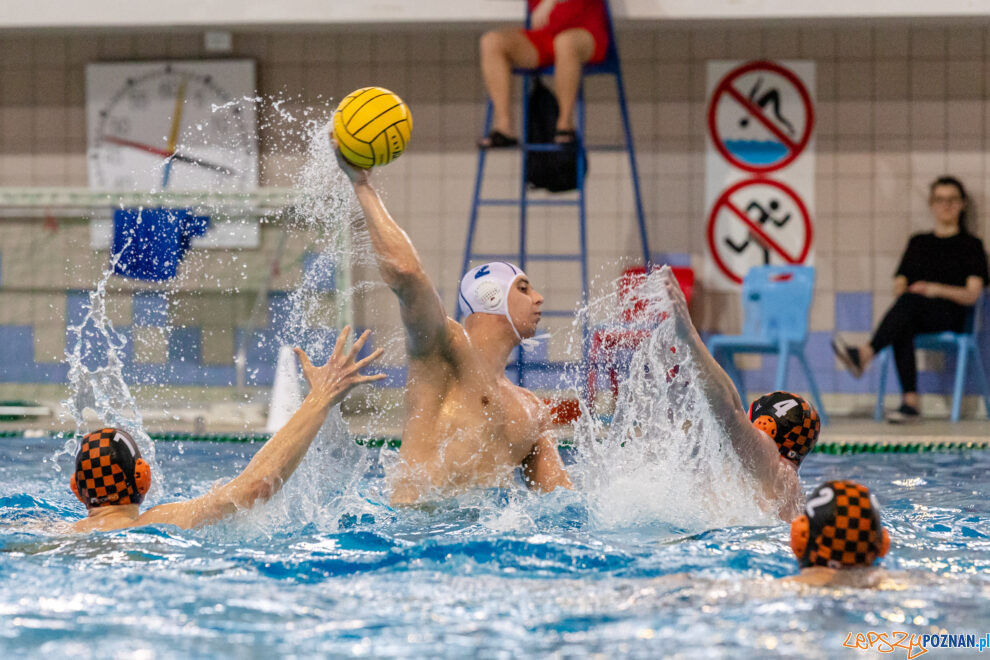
[555, 171]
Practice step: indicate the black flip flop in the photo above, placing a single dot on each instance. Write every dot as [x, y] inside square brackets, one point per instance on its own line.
[848, 356]
[497, 140]
[565, 136]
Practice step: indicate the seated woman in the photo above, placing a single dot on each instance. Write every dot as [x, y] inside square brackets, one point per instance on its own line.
[942, 274]
[565, 33]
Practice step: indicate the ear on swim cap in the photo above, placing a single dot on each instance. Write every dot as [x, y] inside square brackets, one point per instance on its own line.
[766, 424]
[489, 294]
[843, 528]
[75, 489]
[110, 470]
[142, 476]
[799, 536]
[792, 422]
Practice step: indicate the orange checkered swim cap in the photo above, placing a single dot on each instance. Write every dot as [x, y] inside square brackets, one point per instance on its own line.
[792, 422]
[110, 470]
[841, 529]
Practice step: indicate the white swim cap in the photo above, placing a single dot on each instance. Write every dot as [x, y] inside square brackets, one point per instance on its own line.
[485, 290]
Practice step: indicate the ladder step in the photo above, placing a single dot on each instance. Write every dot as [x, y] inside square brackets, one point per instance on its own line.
[538, 146]
[553, 257]
[541, 146]
[529, 257]
[496, 201]
[545, 146]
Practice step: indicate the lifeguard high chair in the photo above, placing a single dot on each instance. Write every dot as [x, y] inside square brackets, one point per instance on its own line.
[609, 66]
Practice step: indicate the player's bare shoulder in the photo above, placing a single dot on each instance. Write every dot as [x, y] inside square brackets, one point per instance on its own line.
[458, 346]
[539, 408]
[448, 349]
[456, 334]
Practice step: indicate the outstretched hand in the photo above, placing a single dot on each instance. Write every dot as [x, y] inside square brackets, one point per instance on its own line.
[357, 175]
[332, 382]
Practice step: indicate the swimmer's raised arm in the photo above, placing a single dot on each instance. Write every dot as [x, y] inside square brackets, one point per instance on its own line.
[419, 303]
[279, 457]
[715, 383]
[756, 450]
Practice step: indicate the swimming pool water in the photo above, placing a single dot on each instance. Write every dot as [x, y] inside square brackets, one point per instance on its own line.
[496, 574]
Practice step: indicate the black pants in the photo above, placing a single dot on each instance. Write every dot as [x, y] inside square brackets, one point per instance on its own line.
[914, 314]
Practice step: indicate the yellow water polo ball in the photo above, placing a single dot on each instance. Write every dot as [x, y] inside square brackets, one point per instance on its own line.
[372, 126]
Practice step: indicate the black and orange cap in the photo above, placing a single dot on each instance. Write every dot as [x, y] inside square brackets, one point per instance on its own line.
[841, 529]
[109, 469]
[792, 422]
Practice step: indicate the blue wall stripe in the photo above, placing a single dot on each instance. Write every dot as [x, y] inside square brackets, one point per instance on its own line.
[853, 313]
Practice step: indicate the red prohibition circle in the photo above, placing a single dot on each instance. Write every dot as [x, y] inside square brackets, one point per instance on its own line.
[723, 87]
[723, 200]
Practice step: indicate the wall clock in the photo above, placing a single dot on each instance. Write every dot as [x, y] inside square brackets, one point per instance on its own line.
[172, 125]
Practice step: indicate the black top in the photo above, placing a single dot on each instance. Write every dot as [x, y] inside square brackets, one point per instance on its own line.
[949, 260]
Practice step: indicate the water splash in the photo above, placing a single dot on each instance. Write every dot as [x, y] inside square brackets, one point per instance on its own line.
[327, 489]
[325, 483]
[95, 355]
[664, 458]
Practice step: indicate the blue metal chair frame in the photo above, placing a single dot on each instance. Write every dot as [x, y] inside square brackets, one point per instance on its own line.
[771, 325]
[965, 343]
[610, 65]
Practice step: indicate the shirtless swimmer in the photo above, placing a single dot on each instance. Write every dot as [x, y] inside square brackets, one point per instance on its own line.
[466, 424]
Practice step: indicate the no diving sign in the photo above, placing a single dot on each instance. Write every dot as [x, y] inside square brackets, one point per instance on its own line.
[758, 222]
[760, 117]
[759, 167]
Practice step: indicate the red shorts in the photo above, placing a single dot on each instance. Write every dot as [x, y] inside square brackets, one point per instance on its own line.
[567, 15]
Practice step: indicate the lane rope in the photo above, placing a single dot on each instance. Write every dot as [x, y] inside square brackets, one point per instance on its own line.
[375, 442]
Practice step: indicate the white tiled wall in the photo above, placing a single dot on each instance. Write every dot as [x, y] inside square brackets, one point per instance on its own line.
[897, 105]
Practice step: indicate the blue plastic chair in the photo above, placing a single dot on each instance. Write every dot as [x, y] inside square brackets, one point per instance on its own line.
[775, 301]
[965, 343]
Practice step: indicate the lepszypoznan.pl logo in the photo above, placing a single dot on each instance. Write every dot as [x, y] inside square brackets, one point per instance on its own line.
[914, 645]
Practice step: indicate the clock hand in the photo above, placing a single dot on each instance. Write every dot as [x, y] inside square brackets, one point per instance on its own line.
[137, 145]
[182, 158]
[180, 98]
[173, 134]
